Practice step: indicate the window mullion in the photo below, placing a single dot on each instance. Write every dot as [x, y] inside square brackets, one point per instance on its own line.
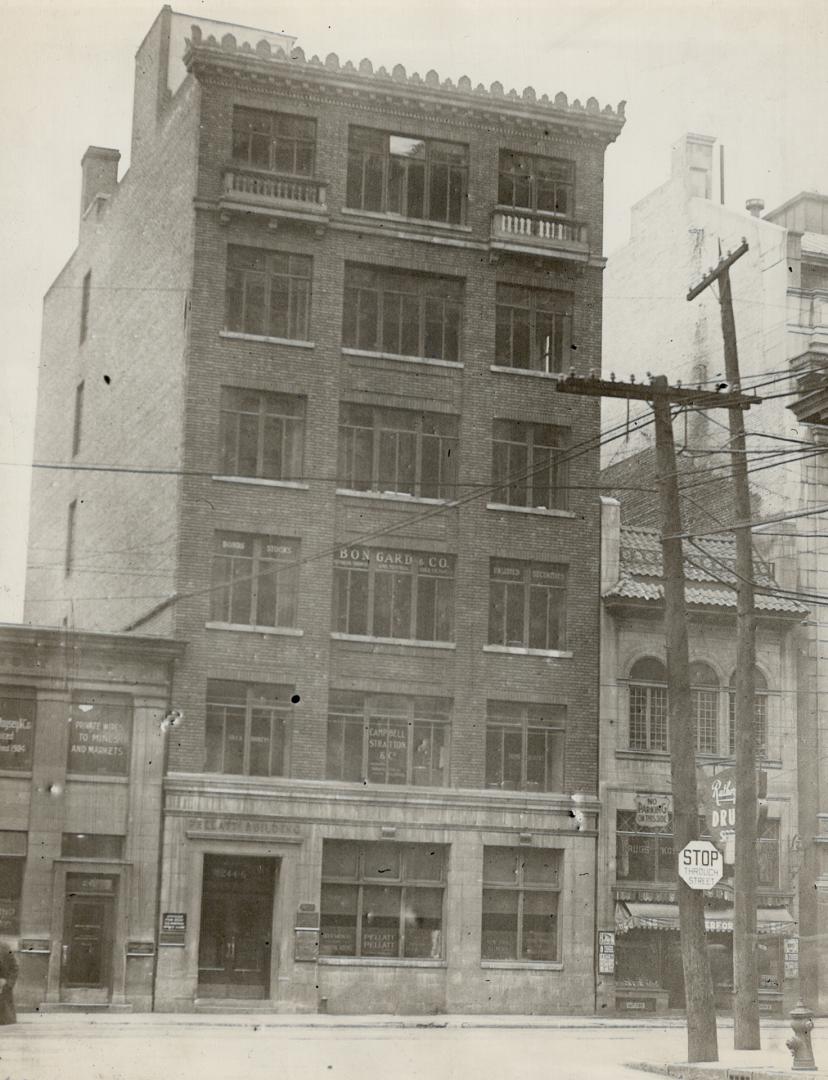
[260, 435]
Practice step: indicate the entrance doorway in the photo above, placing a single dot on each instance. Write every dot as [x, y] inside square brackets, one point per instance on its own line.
[236, 923]
[88, 923]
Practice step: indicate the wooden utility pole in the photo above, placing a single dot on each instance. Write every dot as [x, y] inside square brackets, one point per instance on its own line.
[746, 1032]
[702, 1042]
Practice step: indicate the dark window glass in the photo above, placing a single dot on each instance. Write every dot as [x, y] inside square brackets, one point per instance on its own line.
[648, 706]
[78, 421]
[18, 708]
[274, 141]
[11, 887]
[528, 464]
[86, 291]
[525, 746]
[643, 853]
[398, 450]
[255, 580]
[100, 734]
[389, 593]
[401, 313]
[521, 888]
[767, 852]
[533, 328]
[382, 899]
[527, 604]
[543, 184]
[268, 293]
[398, 174]
[760, 714]
[247, 725]
[91, 846]
[261, 434]
[388, 739]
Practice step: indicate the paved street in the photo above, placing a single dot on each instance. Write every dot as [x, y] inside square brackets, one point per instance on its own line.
[178, 1047]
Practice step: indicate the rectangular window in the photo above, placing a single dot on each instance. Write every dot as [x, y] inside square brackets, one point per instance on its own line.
[412, 177]
[71, 515]
[533, 328]
[262, 434]
[277, 142]
[706, 712]
[528, 464]
[269, 293]
[78, 421]
[388, 739]
[18, 707]
[91, 846]
[643, 853]
[767, 852]
[255, 580]
[648, 717]
[760, 723]
[382, 899]
[100, 734]
[398, 450]
[86, 289]
[11, 887]
[521, 887]
[402, 313]
[387, 593]
[527, 604]
[543, 184]
[525, 746]
[247, 728]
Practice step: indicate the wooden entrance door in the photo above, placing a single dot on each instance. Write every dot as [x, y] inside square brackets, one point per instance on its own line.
[86, 958]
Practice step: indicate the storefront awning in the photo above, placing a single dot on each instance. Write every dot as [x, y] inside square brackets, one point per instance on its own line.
[638, 915]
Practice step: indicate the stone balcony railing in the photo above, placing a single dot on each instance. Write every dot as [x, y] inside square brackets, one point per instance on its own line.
[529, 231]
[277, 195]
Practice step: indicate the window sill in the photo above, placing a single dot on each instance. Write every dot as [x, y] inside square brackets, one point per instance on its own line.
[521, 650]
[523, 965]
[261, 481]
[385, 215]
[543, 511]
[393, 496]
[380, 961]
[429, 361]
[237, 335]
[415, 642]
[97, 778]
[277, 631]
[554, 375]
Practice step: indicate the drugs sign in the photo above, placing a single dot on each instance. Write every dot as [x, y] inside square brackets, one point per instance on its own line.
[700, 864]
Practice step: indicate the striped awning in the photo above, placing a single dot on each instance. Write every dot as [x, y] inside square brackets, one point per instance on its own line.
[639, 915]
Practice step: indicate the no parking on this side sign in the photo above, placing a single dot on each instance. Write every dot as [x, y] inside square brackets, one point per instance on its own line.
[700, 864]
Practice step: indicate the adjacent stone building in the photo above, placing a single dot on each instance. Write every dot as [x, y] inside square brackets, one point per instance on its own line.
[304, 359]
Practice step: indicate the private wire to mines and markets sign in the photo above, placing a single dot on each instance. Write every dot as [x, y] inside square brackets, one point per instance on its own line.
[700, 864]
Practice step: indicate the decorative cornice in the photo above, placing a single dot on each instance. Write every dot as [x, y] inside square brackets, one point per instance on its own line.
[263, 61]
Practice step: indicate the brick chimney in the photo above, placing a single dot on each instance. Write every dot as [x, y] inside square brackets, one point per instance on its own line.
[99, 170]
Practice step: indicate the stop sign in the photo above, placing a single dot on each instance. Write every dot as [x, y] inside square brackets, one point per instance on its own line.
[700, 864]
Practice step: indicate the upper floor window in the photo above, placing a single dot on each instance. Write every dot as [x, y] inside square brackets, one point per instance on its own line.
[255, 580]
[527, 604]
[268, 293]
[704, 698]
[100, 734]
[521, 889]
[262, 434]
[388, 739]
[78, 418]
[533, 328]
[525, 746]
[760, 713]
[380, 592]
[536, 183]
[767, 854]
[397, 174]
[18, 705]
[405, 314]
[274, 141]
[648, 705]
[91, 846]
[528, 465]
[398, 450]
[247, 727]
[382, 899]
[86, 290]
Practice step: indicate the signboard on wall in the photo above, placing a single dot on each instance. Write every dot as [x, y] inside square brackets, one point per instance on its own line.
[606, 952]
[653, 811]
[99, 738]
[791, 958]
[719, 804]
[173, 928]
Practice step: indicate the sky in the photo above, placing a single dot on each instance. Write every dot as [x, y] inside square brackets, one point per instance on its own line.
[750, 72]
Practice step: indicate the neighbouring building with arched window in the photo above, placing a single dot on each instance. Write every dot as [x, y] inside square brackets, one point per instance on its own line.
[639, 957]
